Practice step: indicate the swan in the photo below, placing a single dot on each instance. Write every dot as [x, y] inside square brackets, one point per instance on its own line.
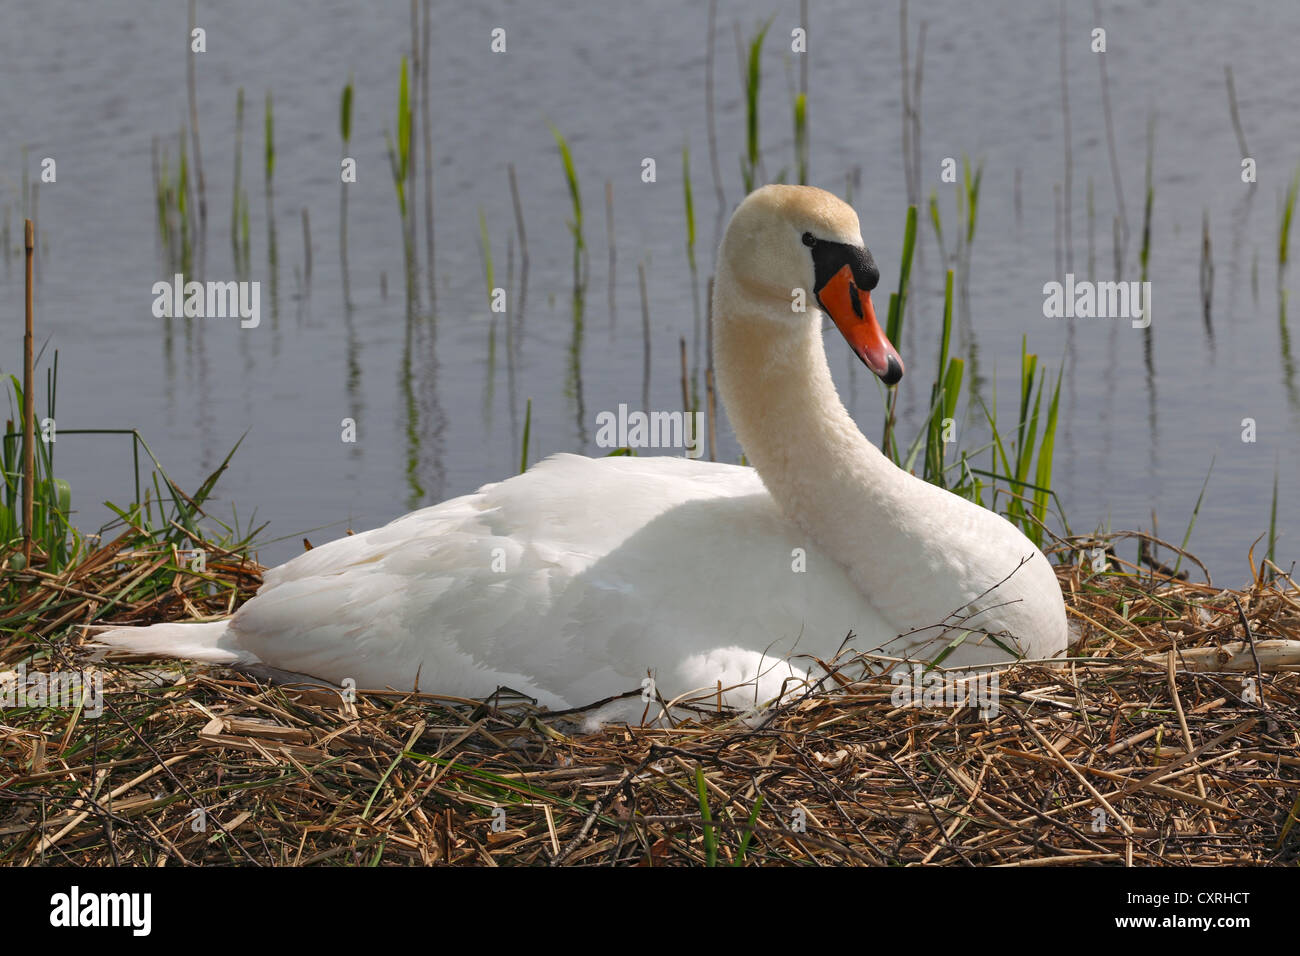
[585, 578]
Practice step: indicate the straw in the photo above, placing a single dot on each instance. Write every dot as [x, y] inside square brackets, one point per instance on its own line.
[1167, 740]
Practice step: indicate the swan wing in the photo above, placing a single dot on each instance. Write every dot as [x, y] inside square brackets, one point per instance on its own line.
[570, 582]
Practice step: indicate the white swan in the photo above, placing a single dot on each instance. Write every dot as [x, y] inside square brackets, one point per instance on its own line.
[575, 580]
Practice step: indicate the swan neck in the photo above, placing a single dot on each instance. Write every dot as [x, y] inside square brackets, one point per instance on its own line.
[777, 388]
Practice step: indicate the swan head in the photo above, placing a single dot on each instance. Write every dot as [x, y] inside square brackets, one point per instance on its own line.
[783, 239]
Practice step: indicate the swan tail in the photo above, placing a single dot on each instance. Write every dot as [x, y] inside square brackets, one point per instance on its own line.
[211, 642]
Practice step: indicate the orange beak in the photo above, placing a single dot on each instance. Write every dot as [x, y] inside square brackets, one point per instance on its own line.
[855, 316]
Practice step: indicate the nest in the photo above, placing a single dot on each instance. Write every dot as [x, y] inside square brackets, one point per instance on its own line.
[1170, 737]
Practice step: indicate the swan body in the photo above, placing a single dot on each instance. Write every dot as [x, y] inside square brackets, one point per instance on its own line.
[575, 581]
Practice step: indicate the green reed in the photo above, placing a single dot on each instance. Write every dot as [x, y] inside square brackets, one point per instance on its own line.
[1284, 223]
[894, 324]
[485, 246]
[1144, 255]
[158, 514]
[749, 162]
[690, 206]
[575, 198]
[240, 244]
[176, 226]
[345, 134]
[801, 138]
[528, 427]
[1027, 468]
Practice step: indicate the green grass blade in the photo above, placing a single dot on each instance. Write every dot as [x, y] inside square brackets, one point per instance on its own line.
[403, 122]
[486, 246]
[749, 832]
[1272, 520]
[345, 112]
[710, 837]
[894, 327]
[571, 176]
[528, 424]
[1288, 211]
[1043, 474]
[801, 138]
[938, 226]
[690, 205]
[1196, 510]
[270, 138]
[753, 80]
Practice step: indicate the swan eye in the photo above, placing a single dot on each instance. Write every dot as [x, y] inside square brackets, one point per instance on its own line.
[809, 239]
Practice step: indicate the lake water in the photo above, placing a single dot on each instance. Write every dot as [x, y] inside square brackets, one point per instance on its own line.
[439, 395]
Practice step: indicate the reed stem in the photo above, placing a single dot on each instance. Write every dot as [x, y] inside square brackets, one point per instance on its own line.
[686, 398]
[1236, 117]
[235, 205]
[519, 218]
[907, 104]
[801, 122]
[29, 398]
[306, 245]
[609, 240]
[645, 337]
[345, 132]
[1207, 275]
[708, 111]
[708, 374]
[194, 134]
[427, 132]
[1122, 246]
[1068, 197]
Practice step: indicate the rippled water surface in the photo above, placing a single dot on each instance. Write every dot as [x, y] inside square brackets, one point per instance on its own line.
[439, 390]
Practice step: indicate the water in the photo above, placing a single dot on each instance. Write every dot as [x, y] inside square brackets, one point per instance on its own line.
[439, 399]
